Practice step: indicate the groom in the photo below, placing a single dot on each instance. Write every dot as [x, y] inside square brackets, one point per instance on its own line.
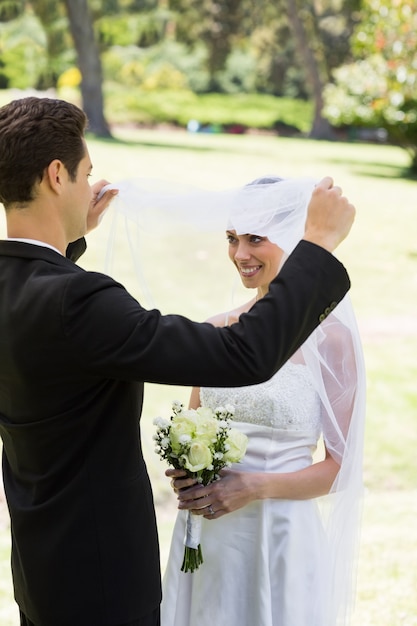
[75, 352]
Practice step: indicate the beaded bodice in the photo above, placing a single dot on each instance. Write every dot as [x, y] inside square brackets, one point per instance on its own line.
[287, 401]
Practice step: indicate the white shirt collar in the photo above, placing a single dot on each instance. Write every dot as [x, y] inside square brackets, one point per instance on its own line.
[34, 242]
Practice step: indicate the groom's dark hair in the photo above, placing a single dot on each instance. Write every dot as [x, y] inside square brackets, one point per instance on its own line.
[34, 132]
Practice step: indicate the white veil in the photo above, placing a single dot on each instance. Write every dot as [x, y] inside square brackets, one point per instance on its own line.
[277, 209]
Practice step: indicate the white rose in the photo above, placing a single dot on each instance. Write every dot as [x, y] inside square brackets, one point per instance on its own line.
[198, 457]
[236, 445]
[206, 429]
[188, 413]
[181, 426]
[204, 412]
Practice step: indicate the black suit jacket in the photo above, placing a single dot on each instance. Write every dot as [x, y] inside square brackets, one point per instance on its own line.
[75, 350]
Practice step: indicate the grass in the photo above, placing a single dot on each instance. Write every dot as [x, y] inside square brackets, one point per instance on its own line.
[180, 106]
[191, 275]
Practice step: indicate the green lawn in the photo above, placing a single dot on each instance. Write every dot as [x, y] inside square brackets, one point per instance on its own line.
[192, 275]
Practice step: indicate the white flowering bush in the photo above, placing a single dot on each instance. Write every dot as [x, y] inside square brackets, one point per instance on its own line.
[201, 442]
[378, 90]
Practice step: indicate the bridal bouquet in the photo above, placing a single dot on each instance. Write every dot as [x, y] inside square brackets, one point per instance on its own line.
[201, 442]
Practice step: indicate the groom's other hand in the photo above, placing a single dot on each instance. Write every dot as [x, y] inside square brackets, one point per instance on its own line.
[330, 215]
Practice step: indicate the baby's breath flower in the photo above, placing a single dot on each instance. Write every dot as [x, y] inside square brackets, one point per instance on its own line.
[177, 406]
[160, 422]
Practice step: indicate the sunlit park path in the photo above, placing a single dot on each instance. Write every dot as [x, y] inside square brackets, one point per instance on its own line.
[190, 274]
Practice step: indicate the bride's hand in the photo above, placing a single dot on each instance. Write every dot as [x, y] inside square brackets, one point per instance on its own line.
[233, 491]
[179, 479]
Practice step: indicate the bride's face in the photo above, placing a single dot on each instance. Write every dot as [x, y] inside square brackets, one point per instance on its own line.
[257, 259]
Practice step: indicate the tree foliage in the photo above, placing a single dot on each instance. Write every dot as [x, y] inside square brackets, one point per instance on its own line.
[58, 48]
[23, 58]
[240, 45]
[229, 46]
[216, 23]
[379, 89]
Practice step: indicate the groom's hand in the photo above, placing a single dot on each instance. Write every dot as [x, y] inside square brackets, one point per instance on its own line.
[99, 204]
[330, 215]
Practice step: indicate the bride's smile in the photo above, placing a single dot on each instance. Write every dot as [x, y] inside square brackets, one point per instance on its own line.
[256, 259]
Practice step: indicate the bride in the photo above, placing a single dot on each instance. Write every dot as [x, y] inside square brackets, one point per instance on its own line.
[280, 529]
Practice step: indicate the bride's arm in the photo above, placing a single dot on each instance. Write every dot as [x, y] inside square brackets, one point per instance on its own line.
[194, 402]
[237, 489]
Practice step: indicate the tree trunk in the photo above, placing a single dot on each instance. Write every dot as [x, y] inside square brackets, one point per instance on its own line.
[50, 14]
[321, 128]
[89, 63]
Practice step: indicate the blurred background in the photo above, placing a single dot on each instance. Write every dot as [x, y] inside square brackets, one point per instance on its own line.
[326, 69]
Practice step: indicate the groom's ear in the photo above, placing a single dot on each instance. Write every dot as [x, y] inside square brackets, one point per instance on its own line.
[55, 176]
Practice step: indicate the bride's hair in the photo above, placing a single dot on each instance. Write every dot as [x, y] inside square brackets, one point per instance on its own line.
[265, 180]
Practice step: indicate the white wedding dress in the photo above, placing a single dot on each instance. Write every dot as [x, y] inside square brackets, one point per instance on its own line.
[264, 564]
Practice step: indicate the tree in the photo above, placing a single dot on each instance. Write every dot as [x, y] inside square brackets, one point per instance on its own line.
[380, 88]
[321, 32]
[216, 23]
[22, 45]
[52, 16]
[89, 63]
[11, 9]
[316, 69]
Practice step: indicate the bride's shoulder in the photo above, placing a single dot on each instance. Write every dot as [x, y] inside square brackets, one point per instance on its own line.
[229, 317]
[221, 319]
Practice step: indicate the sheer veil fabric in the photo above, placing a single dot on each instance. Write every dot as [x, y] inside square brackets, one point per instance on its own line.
[277, 209]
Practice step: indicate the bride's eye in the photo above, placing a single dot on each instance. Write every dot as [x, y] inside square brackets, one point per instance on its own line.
[256, 239]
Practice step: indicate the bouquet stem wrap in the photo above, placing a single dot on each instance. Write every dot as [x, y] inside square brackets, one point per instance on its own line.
[193, 556]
